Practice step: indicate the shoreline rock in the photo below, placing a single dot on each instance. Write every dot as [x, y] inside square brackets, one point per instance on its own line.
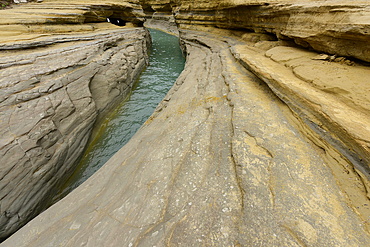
[231, 163]
[51, 97]
[224, 165]
[334, 27]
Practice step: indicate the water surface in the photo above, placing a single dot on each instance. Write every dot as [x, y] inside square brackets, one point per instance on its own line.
[166, 63]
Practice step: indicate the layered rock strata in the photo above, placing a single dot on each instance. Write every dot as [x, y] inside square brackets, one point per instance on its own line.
[341, 29]
[70, 12]
[159, 14]
[223, 161]
[226, 165]
[331, 97]
[53, 88]
[335, 27]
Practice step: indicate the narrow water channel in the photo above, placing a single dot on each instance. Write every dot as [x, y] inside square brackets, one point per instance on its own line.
[166, 63]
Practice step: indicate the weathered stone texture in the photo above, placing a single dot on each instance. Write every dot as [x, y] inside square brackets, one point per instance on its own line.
[259, 143]
[330, 96]
[72, 12]
[334, 27]
[227, 165]
[50, 99]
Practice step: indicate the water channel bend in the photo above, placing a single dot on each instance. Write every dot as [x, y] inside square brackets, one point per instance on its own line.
[166, 63]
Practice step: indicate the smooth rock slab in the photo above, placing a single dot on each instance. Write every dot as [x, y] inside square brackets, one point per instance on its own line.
[49, 100]
[220, 163]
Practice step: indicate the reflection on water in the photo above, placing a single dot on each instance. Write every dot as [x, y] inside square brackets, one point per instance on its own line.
[166, 63]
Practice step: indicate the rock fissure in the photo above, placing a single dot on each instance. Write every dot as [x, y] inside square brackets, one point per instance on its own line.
[294, 235]
[236, 166]
[225, 232]
[300, 103]
[339, 165]
[245, 172]
[271, 184]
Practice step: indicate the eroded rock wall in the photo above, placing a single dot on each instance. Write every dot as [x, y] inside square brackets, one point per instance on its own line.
[52, 12]
[341, 29]
[334, 27]
[53, 89]
[221, 162]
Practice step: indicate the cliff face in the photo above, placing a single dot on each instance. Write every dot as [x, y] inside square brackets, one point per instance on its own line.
[259, 142]
[334, 27]
[53, 88]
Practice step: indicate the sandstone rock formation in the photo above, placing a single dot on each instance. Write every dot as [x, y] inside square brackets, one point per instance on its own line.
[332, 26]
[53, 88]
[259, 142]
[225, 165]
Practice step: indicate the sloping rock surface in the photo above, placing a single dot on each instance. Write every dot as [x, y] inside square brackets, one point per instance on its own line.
[259, 143]
[332, 97]
[226, 165]
[51, 95]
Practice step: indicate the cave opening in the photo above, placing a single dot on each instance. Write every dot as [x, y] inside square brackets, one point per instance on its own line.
[116, 21]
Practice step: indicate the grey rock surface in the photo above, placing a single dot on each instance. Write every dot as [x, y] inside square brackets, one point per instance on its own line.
[51, 95]
[221, 162]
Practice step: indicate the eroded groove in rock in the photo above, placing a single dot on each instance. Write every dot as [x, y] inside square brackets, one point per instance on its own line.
[313, 101]
[322, 110]
[270, 175]
[50, 99]
[222, 166]
[222, 161]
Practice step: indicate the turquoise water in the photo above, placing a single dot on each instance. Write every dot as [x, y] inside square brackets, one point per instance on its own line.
[166, 63]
